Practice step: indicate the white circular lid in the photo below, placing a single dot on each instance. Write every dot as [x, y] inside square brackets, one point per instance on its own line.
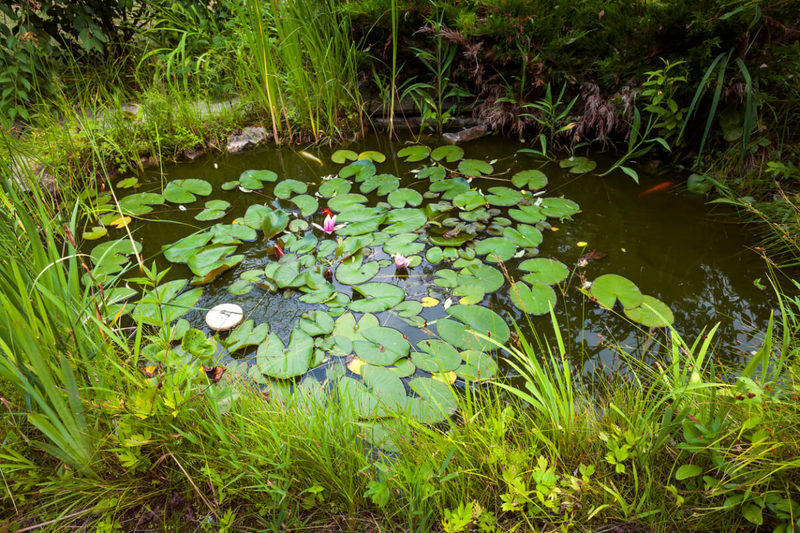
[224, 317]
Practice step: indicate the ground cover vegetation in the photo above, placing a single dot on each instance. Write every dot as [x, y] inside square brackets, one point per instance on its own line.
[116, 421]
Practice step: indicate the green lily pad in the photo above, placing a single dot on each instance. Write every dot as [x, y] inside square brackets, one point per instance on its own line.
[231, 233]
[544, 270]
[412, 154]
[308, 205]
[474, 167]
[434, 255]
[111, 256]
[139, 204]
[408, 308]
[214, 209]
[387, 388]
[402, 197]
[184, 191]
[245, 334]
[195, 342]
[372, 155]
[180, 251]
[450, 153]
[229, 185]
[525, 236]
[95, 233]
[482, 320]
[316, 323]
[346, 201]
[255, 179]
[377, 297]
[469, 200]
[578, 164]
[435, 173]
[405, 244]
[533, 300]
[527, 214]
[277, 361]
[503, 196]
[128, 183]
[478, 366]
[439, 397]
[361, 170]
[450, 187]
[341, 156]
[353, 272]
[286, 188]
[405, 220]
[384, 183]
[209, 262]
[496, 249]
[334, 187]
[558, 207]
[166, 303]
[652, 313]
[270, 221]
[488, 278]
[609, 288]
[460, 336]
[532, 179]
[436, 356]
[381, 346]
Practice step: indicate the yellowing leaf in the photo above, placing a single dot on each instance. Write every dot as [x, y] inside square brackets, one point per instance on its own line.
[445, 377]
[355, 364]
[429, 301]
[120, 222]
[582, 243]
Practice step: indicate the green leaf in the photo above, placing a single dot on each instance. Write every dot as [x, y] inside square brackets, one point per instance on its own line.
[439, 396]
[497, 249]
[361, 170]
[214, 209]
[255, 179]
[232, 233]
[405, 220]
[404, 244]
[544, 270]
[474, 167]
[181, 250]
[381, 346]
[402, 197]
[343, 202]
[609, 288]
[353, 272]
[277, 361]
[450, 153]
[578, 164]
[469, 200]
[534, 300]
[308, 205]
[184, 191]
[652, 313]
[477, 366]
[372, 155]
[334, 187]
[558, 207]
[140, 204]
[340, 156]
[527, 214]
[415, 153]
[285, 188]
[504, 196]
[525, 236]
[195, 342]
[316, 323]
[274, 222]
[688, 471]
[436, 356]
[166, 303]
[377, 297]
[435, 173]
[384, 183]
[246, 335]
[450, 187]
[482, 320]
[95, 233]
[533, 179]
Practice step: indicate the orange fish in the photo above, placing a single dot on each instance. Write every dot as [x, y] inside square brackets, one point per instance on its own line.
[664, 185]
[327, 212]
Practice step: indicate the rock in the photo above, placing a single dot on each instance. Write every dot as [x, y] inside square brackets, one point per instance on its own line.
[25, 169]
[250, 136]
[224, 317]
[469, 134]
[193, 153]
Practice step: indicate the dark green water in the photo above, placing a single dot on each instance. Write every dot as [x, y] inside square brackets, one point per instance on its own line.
[670, 243]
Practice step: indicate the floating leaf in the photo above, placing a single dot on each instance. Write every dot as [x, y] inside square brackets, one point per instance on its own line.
[525, 236]
[140, 204]
[609, 288]
[436, 356]
[195, 342]
[361, 170]
[578, 164]
[377, 297]
[334, 187]
[402, 197]
[381, 346]
[316, 323]
[245, 334]
[109, 257]
[527, 214]
[477, 366]
[435, 173]
[387, 388]
[482, 320]
[273, 222]
[128, 183]
[277, 361]
[166, 303]
[255, 179]
[414, 153]
[285, 188]
[184, 191]
[439, 397]
[652, 313]
[372, 155]
[450, 153]
[341, 156]
[404, 244]
[405, 220]
[533, 179]
[543, 270]
[308, 205]
[450, 187]
[232, 233]
[408, 308]
[469, 200]
[503, 196]
[343, 202]
[353, 272]
[428, 301]
[384, 183]
[181, 250]
[434, 255]
[558, 207]
[214, 209]
[95, 233]
[474, 167]
[496, 249]
[534, 300]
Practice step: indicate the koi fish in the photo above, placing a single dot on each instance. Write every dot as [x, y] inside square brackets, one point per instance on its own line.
[664, 185]
[327, 212]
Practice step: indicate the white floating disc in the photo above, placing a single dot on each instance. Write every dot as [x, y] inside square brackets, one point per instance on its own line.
[224, 317]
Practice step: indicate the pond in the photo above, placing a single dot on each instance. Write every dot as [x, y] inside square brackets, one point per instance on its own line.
[471, 221]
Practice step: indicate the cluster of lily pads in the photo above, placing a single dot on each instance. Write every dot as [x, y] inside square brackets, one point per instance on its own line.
[352, 269]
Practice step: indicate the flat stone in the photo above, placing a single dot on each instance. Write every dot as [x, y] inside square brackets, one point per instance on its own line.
[250, 136]
[466, 135]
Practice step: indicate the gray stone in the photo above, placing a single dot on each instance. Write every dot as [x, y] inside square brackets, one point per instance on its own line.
[469, 134]
[24, 169]
[250, 136]
[193, 153]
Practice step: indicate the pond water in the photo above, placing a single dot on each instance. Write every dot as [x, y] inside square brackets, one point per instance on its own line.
[668, 242]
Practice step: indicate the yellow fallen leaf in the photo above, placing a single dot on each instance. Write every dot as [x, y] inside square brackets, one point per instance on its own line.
[355, 364]
[554, 228]
[429, 301]
[623, 250]
[582, 243]
[311, 157]
[445, 377]
[120, 222]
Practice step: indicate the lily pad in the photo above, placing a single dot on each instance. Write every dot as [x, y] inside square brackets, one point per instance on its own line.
[184, 191]
[544, 270]
[439, 396]
[381, 346]
[255, 179]
[450, 187]
[95, 233]
[402, 197]
[652, 313]
[503, 196]
[316, 323]
[180, 251]
[377, 297]
[534, 300]
[404, 244]
[334, 187]
[482, 320]
[469, 200]
[578, 164]
[496, 249]
[558, 207]
[478, 366]
[474, 167]
[527, 214]
[353, 272]
[166, 303]
[450, 153]
[412, 154]
[372, 155]
[308, 205]
[341, 156]
[277, 361]
[139, 204]
[231, 234]
[245, 334]
[532, 179]
[384, 183]
[405, 220]
[360, 170]
[525, 236]
[286, 188]
[435, 173]
[436, 356]
[343, 202]
[609, 288]
[214, 209]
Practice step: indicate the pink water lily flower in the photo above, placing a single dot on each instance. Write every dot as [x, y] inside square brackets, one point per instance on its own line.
[401, 261]
[329, 224]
